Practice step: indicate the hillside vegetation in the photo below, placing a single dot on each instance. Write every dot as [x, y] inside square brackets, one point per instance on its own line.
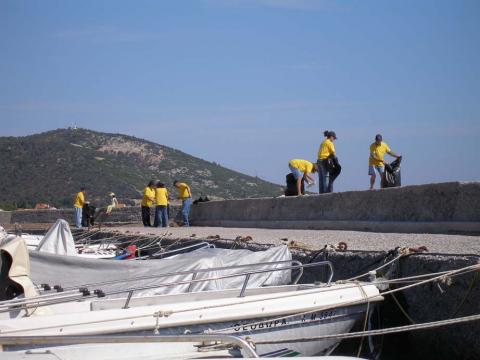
[50, 168]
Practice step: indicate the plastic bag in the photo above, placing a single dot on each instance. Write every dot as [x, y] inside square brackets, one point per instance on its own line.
[393, 176]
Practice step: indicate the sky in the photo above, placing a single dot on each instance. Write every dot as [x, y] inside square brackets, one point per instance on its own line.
[251, 84]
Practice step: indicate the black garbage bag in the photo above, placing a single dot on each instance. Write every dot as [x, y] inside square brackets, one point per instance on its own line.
[88, 215]
[291, 189]
[333, 167]
[393, 176]
[201, 199]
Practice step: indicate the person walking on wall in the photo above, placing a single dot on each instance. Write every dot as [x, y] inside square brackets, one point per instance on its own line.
[147, 202]
[376, 162]
[78, 206]
[161, 209]
[185, 195]
[326, 152]
[301, 169]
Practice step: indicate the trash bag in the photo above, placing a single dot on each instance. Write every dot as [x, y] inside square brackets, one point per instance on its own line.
[201, 199]
[333, 167]
[291, 189]
[393, 176]
[88, 215]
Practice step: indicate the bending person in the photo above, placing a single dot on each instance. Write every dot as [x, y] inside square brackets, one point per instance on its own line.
[300, 169]
[185, 195]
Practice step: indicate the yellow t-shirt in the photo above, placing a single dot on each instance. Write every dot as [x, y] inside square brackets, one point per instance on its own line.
[303, 165]
[148, 193]
[326, 149]
[378, 151]
[161, 196]
[183, 191]
[79, 200]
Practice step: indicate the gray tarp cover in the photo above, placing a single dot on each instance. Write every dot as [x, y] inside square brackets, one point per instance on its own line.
[70, 271]
[58, 240]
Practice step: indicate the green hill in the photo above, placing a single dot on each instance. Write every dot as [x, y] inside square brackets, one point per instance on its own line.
[50, 168]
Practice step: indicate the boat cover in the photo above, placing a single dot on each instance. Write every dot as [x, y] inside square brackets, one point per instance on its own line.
[68, 271]
[58, 240]
[15, 265]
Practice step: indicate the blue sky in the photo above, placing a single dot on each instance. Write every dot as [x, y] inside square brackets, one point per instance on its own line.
[251, 84]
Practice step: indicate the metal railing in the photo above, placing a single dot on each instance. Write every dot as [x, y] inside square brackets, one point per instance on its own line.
[125, 339]
[73, 294]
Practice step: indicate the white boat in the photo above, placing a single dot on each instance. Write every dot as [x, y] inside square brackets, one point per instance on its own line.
[259, 314]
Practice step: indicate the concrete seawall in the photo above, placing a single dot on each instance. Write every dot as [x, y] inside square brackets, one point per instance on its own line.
[129, 214]
[433, 208]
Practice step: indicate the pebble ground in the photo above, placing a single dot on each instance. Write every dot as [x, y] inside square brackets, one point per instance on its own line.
[317, 239]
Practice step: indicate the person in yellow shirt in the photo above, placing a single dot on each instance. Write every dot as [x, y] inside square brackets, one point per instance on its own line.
[185, 195]
[326, 151]
[376, 162]
[147, 202]
[78, 206]
[300, 170]
[161, 209]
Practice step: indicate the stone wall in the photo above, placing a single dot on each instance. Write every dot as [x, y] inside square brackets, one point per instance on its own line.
[129, 214]
[5, 217]
[432, 208]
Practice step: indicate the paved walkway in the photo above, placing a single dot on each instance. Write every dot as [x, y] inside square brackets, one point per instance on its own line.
[316, 239]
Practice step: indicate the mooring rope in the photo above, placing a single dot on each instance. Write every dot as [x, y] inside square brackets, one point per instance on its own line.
[367, 311]
[378, 268]
[393, 330]
[467, 269]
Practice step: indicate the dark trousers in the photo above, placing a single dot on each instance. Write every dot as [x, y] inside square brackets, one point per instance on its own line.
[146, 216]
[325, 181]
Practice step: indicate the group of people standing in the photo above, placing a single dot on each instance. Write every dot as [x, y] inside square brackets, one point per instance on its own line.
[80, 203]
[155, 193]
[328, 166]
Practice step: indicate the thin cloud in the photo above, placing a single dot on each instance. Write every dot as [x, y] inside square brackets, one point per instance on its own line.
[109, 34]
[304, 5]
[32, 106]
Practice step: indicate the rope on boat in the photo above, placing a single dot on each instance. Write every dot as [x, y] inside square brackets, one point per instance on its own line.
[467, 269]
[393, 330]
[348, 285]
[467, 293]
[402, 309]
[365, 321]
[378, 268]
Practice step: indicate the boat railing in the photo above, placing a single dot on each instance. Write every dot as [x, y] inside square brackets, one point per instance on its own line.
[193, 272]
[244, 345]
[73, 294]
[60, 292]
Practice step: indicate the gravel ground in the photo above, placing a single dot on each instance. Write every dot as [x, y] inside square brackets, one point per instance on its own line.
[317, 239]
